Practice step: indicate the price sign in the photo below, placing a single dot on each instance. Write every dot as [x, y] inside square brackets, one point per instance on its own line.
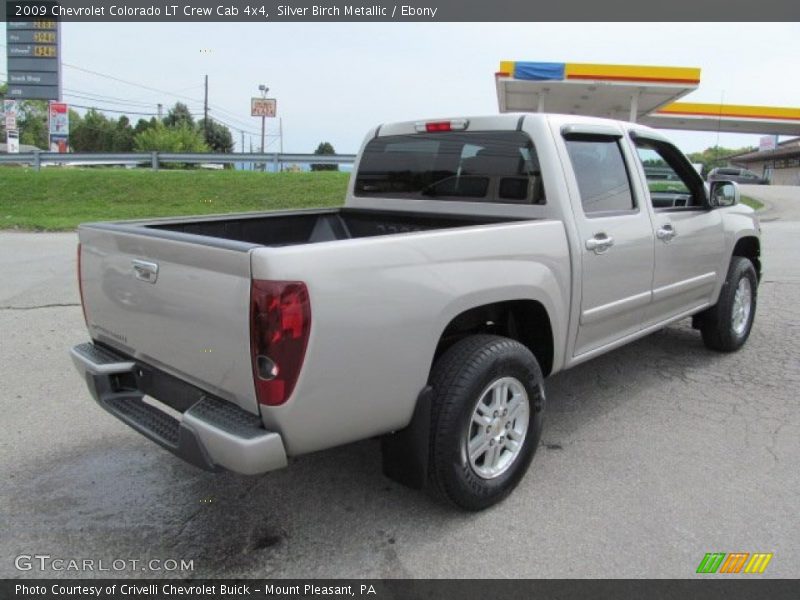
[263, 107]
[32, 52]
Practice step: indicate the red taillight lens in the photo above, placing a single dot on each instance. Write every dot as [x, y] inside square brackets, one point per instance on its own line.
[80, 286]
[280, 322]
[438, 126]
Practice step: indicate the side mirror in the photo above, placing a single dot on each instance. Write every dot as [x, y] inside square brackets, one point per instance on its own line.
[723, 193]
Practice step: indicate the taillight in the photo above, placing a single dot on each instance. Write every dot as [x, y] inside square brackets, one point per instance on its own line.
[280, 322]
[437, 126]
[80, 286]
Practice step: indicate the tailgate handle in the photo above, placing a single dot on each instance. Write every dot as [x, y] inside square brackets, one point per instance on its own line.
[145, 271]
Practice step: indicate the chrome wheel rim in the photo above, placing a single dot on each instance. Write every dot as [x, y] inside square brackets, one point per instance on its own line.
[742, 304]
[497, 429]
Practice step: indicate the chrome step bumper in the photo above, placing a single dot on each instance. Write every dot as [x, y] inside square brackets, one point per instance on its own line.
[211, 434]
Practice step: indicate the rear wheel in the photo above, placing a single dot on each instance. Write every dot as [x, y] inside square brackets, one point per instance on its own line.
[487, 416]
[726, 326]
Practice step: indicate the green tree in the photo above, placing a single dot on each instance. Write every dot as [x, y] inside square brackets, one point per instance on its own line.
[324, 148]
[31, 121]
[179, 115]
[169, 139]
[92, 133]
[217, 136]
[143, 124]
[122, 137]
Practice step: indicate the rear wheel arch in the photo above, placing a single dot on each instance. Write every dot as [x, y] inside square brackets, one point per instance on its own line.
[526, 321]
[406, 452]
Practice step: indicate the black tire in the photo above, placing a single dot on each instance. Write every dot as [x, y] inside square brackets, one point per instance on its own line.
[717, 323]
[458, 379]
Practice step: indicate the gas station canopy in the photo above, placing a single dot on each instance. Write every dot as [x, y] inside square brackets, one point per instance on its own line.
[644, 94]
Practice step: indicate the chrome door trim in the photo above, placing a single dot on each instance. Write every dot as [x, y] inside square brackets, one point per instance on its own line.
[598, 313]
[680, 287]
[589, 354]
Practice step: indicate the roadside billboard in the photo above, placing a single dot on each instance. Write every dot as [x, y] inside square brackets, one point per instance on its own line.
[59, 127]
[263, 107]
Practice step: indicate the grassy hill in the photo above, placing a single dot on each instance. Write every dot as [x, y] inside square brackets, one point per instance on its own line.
[61, 198]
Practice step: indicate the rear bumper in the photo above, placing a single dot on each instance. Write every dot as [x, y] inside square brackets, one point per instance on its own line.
[211, 434]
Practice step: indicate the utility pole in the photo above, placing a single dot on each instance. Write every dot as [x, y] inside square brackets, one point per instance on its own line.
[205, 111]
[263, 89]
[242, 147]
[160, 110]
[280, 138]
[263, 119]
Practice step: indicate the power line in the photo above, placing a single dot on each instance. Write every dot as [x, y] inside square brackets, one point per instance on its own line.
[238, 123]
[230, 115]
[122, 112]
[107, 99]
[125, 81]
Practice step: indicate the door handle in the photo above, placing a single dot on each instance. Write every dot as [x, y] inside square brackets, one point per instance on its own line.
[599, 243]
[666, 232]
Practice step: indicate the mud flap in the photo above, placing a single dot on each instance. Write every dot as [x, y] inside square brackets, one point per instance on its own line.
[406, 452]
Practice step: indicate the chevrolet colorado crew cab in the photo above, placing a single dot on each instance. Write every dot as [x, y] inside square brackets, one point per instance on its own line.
[473, 258]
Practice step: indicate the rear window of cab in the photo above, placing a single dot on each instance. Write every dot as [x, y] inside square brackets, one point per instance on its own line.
[479, 166]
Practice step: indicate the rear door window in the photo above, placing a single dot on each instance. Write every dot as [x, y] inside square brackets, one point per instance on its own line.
[601, 173]
[472, 166]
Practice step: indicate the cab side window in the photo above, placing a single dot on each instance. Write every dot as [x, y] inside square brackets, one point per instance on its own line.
[602, 176]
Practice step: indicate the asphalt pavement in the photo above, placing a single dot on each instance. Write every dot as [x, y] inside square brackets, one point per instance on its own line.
[652, 456]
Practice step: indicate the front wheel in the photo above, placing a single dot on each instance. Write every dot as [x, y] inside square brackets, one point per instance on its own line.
[726, 326]
[487, 416]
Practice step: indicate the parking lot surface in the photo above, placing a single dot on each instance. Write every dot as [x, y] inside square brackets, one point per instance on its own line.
[652, 455]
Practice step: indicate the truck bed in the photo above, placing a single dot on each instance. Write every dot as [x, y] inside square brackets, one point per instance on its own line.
[312, 227]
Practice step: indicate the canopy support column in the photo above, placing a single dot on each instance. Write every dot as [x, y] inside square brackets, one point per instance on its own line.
[540, 101]
[634, 108]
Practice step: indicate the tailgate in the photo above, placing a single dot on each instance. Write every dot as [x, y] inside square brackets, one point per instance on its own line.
[180, 305]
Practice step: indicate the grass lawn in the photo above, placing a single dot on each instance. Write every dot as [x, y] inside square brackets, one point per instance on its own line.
[61, 198]
[752, 203]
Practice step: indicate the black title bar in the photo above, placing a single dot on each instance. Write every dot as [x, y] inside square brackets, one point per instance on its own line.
[409, 11]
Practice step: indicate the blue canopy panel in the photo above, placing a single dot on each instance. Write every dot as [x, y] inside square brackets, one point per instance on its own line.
[539, 71]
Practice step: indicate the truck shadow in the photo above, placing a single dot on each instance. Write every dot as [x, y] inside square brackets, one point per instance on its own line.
[330, 514]
[334, 510]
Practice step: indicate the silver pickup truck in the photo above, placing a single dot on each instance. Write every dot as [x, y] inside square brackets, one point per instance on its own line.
[473, 258]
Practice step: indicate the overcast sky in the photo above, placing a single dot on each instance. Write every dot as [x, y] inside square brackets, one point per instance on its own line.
[334, 81]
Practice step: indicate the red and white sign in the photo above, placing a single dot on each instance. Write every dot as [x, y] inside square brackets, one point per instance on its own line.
[10, 112]
[767, 143]
[59, 127]
[263, 107]
[59, 118]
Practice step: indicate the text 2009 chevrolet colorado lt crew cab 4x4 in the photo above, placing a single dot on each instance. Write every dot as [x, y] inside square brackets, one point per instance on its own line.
[473, 258]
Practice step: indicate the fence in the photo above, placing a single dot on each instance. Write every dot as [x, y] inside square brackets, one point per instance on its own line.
[154, 159]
